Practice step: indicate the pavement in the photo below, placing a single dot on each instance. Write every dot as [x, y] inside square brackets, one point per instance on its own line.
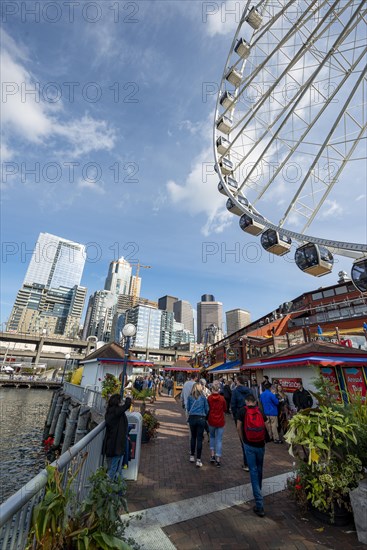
[174, 505]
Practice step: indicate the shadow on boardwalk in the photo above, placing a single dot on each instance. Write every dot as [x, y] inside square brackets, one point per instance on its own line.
[166, 476]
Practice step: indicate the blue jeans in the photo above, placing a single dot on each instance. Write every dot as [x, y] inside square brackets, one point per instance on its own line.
[114, 465]
[255, 461]
[216, 436]
[197, 426]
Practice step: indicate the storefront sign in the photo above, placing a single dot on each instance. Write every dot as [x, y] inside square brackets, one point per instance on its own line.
[289, 385]
[329, 373]
[355, 381]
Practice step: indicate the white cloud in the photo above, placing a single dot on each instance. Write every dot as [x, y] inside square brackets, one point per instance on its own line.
[360, 197]
[91, 186]
[331, 209]
[222, 17]
[35, 120]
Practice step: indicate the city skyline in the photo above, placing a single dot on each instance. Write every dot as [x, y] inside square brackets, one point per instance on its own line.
[112, 147]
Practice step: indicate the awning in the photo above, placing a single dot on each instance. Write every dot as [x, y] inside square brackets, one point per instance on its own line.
[321, 360]
[181, 369]
[231, 366]
[214, 366]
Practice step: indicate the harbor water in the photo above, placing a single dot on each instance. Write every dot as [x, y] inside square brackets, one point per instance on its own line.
[23, 413]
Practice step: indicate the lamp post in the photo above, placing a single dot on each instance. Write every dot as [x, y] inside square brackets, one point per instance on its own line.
[128, 331]
[67, 357]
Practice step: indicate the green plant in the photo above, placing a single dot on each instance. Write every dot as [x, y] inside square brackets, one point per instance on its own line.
[59, 523]
[326, 392]
[141, 395]
[356, 410]
[150, 423]
[330, 468]
[110, 385]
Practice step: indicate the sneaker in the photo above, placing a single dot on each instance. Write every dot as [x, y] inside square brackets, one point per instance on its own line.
[258, 512]
[199, 463]
[246, 468]
[218, 464]
[212, 460]
[192, 458]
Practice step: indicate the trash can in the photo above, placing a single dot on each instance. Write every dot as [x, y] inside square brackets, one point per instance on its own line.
[135, 421]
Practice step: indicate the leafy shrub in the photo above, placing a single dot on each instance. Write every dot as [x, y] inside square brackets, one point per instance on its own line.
[110, 385]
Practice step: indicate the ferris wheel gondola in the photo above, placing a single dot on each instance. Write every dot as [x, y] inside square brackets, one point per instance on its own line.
[359, 274]
[293, 94]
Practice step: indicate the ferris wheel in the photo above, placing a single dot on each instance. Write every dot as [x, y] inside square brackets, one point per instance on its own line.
[291, 115]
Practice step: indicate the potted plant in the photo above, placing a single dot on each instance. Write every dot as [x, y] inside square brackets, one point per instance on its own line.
[150, 426]
[323, 442]
[110, 385]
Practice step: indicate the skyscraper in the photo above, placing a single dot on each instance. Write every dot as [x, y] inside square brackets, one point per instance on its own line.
[56, 262]
[166, 303]
[148, 326]
[209, 313]
[184, 314]
[118, 279]
[51, 299]
[237, 319]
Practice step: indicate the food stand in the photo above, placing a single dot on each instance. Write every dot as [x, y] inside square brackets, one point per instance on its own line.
[181, 372]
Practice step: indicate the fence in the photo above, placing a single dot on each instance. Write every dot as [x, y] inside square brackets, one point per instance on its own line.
[88, 396]
[16, 511]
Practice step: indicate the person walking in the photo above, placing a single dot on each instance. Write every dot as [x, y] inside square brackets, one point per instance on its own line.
[216, 421]
[186, 390]
[227, 394]
[302, 398]
[197, 409]
[237, 402]
[252, 432]
[206, 393]
[270, 404]
[114, 445]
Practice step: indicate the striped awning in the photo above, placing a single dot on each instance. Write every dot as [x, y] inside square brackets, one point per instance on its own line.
[230, 366]
[214, 366]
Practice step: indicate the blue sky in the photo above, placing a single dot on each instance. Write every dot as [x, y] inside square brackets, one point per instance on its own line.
[119, 132]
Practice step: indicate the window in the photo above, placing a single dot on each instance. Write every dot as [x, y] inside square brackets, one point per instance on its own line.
[341, 290]
[329, 293]
[317, 296]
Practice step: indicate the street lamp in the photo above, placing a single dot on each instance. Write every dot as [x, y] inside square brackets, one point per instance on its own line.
[67, 357]
[128, 331]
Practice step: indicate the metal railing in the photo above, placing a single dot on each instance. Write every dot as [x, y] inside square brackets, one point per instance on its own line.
[16, 511]
[87, 395]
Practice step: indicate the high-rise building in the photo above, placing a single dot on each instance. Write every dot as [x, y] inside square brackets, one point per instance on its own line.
[237, 319]
[52, 311]
[166, 303]
[55, 262]
[118, 278]
[184, 314]
[99, 316]
[209, 314]
[51, 300]
[148, 326]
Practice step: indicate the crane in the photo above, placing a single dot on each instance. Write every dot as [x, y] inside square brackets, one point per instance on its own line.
[134, 290]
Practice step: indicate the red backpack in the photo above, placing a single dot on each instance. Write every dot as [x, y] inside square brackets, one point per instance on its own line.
[254, 425]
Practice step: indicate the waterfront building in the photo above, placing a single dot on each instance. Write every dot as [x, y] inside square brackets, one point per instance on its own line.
[237, 319]
[52, 311]
[183, 312]
[209, 313]
[56, 262]
[165, 303]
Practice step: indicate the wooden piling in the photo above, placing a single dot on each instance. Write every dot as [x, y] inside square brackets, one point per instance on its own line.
[56, 413]
[50, 415]
[71, 424]
[83, 419]
[61, 422]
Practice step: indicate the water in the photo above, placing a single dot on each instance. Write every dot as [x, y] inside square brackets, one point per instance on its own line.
[23, 414]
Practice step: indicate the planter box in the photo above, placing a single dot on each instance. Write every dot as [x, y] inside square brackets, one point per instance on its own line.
[341, 518]
[358, 499]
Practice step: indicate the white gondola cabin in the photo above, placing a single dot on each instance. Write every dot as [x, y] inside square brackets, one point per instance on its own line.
[233, 208]
[314, 259]
[222, 145]
[234, 77]
[232, 184]
[254, 19]
[226, 166]
[249, 225]
[224, 124]
[242, 48]
[227, 100]
[275, 242]
[359, 274]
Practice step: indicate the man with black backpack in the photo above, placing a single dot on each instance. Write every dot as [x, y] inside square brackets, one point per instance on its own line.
[252, 432]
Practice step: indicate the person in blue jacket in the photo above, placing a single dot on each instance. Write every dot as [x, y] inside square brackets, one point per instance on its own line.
[197, 409]
[270, 403]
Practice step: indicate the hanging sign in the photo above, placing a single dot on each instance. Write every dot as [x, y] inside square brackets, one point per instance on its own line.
[355, 381]
[329, 373]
